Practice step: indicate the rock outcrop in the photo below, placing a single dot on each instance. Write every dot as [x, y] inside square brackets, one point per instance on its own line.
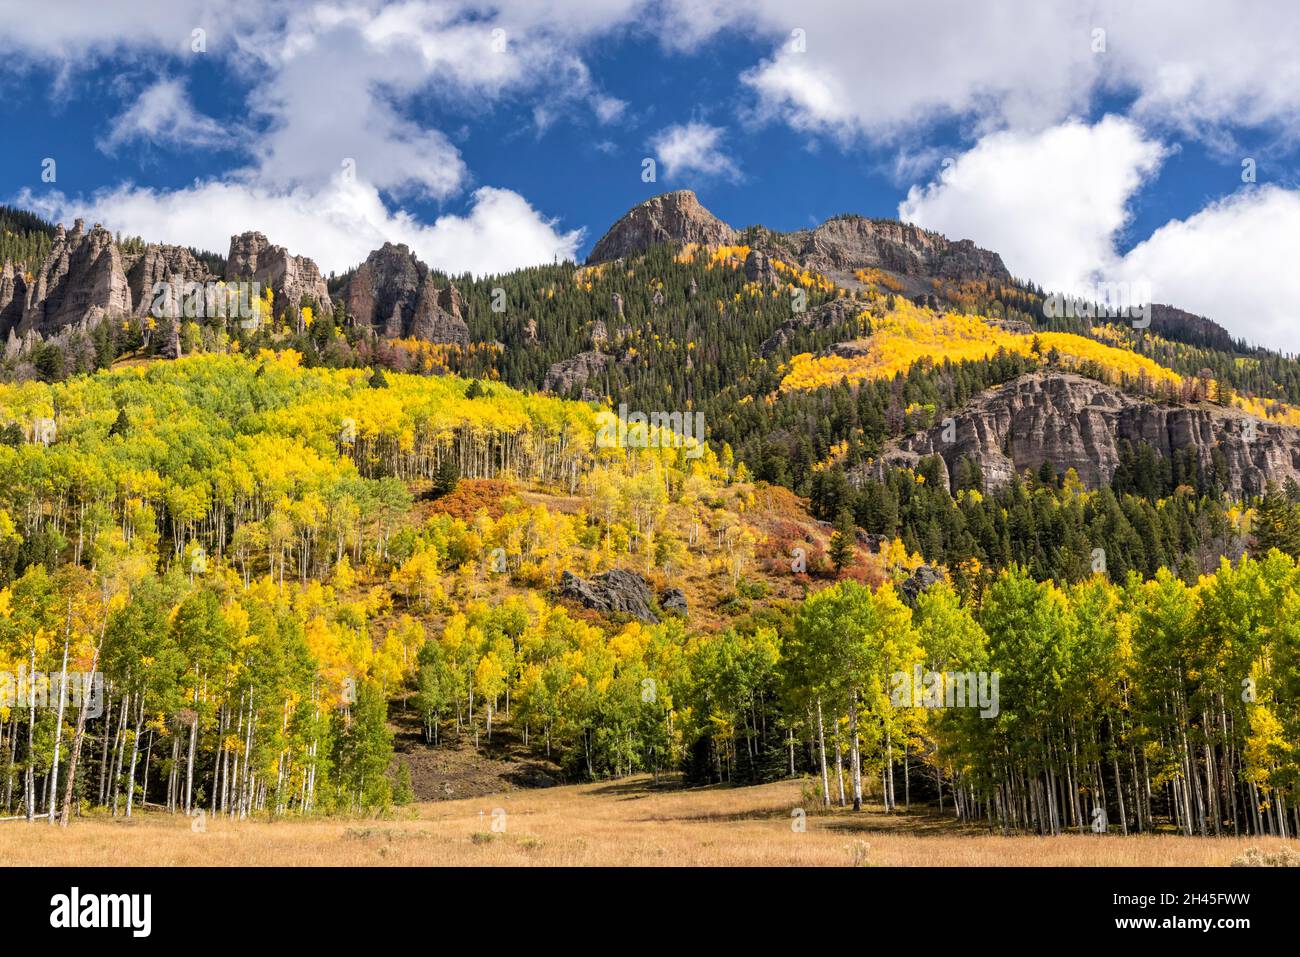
[616, 590]
[13, 298]
[847, 243]
[674, 600]
[621, 591]
[916, 583]
[759, 268]
[674, 217]
[81, 281]
[818, 319]
[574, 373]
[291, 278]
[1078, 423]
[395, 295]
[87, 276]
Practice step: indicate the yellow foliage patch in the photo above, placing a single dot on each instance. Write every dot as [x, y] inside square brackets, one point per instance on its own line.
[911, 333]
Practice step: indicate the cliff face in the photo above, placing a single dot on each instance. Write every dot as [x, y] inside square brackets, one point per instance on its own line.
[817, 319]
[563, 376]
[393, 294]
[161, 264]
[13, 297]
[672, 217]
[81, 281]
[1078, 423]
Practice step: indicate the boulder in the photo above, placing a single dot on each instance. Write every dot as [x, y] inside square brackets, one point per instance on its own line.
[917, 582]
[616, 590]
[674, 600]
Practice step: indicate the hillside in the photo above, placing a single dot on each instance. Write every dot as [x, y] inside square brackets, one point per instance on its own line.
[690, 509]
[823, 360]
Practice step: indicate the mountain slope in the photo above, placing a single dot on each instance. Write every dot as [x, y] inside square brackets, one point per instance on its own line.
[804, 351]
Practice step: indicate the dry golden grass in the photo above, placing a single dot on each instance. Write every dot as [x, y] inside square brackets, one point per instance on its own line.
[620, 823]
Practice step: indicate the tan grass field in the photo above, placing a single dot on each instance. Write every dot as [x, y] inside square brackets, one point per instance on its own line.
[627, 822]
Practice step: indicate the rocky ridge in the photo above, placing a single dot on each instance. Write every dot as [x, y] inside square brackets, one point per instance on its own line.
[838, 246]
[87, 277]
[1079, 423]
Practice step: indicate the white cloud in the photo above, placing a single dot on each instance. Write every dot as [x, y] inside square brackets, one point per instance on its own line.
[1051, 203]
[77, 31]
[608, 109]
[1233, 261]
[871, 70]
[1201, 65]
[1055, 204]
[880, 70]
[337, 227]
[334, 87]
[162, 113]
[693, 148]
[868, 69]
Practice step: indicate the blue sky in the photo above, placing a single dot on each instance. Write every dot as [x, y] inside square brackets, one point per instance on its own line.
[1086, 142]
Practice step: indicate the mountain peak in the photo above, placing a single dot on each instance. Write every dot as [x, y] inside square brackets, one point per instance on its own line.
[675, 217]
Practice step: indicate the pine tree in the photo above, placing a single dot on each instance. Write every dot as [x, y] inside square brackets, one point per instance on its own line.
[843, 545]
[1277, 523]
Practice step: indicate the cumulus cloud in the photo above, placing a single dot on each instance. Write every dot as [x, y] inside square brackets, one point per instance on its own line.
[337, 226]
[345, 79]
[868, 70]
[1233, 261]
[334, 89]
[77, 31]
[880, 70]
[693, 148]
[1055, 205]
[1051, 203]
